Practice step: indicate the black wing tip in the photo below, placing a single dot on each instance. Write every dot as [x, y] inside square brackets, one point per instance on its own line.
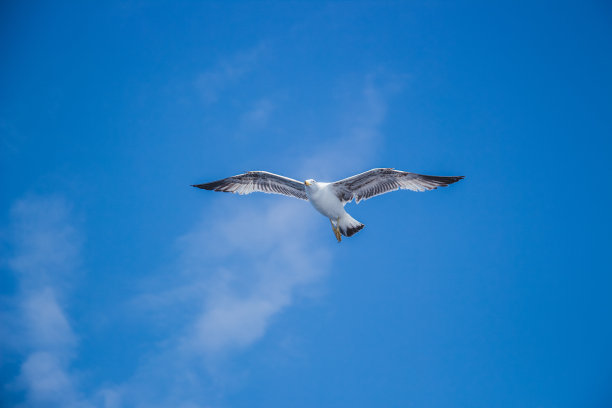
[208, 186]
[443, 181]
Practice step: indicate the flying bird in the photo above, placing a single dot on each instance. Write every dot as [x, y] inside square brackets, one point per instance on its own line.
[330, 198]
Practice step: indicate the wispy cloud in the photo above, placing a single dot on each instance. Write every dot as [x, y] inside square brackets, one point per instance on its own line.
[47, 381]
[45, 324]
[253, 263]
[259, 114]
[44, 240]
[45, 247]
[226, 72]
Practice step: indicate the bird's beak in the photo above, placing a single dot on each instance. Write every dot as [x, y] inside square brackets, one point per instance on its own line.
[307, 182]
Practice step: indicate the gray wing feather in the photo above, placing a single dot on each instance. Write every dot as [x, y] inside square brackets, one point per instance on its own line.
[261, 181]
[379, 181]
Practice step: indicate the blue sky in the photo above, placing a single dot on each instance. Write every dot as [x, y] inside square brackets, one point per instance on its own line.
[122, 286]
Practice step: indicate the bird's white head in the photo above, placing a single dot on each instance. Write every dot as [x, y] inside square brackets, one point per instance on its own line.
[309, 182]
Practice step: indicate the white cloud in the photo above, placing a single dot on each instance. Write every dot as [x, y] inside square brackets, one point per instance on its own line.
[47, 382]
[253, 262]
[45, 254]
[44, 323]
[45, 242]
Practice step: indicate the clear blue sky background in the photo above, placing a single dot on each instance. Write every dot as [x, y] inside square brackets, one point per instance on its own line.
[122, 286]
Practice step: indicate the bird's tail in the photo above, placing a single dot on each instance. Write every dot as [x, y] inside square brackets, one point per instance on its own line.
[349, 226]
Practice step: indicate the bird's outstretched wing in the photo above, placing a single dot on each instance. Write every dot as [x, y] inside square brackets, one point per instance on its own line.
[262, 181]
[379, 181]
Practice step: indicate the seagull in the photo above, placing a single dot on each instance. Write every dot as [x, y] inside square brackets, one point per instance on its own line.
[330, 198]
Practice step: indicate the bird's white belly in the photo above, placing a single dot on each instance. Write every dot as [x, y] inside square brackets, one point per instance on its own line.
[327, 203]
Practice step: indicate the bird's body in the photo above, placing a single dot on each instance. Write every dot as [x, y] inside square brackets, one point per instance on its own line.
[330, 198]
[325, 200]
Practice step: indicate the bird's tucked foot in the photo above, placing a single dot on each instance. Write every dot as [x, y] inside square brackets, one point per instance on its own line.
[336, 230]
